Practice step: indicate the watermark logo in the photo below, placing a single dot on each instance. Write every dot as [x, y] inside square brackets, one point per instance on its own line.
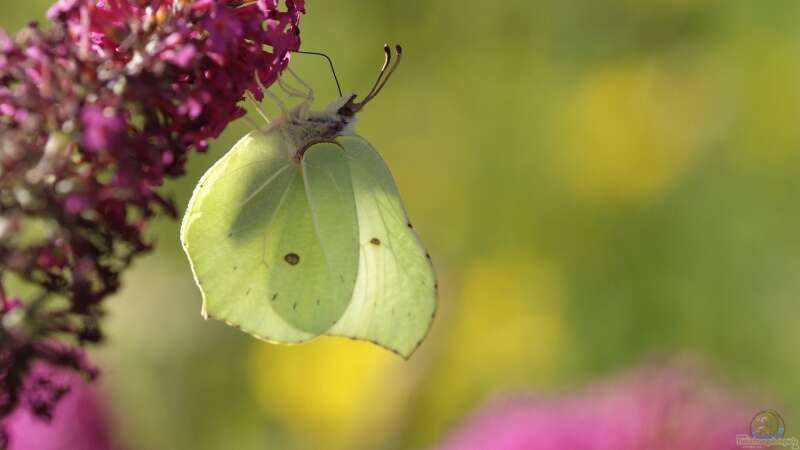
[767, 430]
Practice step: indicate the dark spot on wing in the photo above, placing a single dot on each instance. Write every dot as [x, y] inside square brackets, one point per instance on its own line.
[294, 306]
[292, 258]
[234, 268]
[410, 226]
[428, 255]
[318, 301]
[375, 241]
[274, 296]
[248, 292]
[230, 234]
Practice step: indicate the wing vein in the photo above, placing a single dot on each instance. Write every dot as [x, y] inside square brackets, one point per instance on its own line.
[272, 219]
[265, 184]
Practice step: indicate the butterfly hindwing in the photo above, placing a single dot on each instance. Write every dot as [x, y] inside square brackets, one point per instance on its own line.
[394, 299]
[316, 287]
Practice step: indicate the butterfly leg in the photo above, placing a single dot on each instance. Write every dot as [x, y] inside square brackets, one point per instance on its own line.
[258, 108]
[277, 100]
[303, 107]
[309, 94]
[291, 90]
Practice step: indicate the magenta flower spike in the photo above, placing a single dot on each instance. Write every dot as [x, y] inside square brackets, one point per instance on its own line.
[97, 110]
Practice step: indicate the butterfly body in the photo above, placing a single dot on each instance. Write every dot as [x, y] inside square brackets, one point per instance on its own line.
[300, 128]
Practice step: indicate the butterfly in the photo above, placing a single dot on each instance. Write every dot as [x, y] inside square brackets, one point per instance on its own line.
[299, 231]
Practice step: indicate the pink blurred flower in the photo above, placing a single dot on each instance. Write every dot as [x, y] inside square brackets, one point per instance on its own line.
[78, 422]
[652, 409]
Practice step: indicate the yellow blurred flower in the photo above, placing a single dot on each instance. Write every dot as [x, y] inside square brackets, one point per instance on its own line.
[509, 331]
[510, 316]
[328, 392]
[630, 131]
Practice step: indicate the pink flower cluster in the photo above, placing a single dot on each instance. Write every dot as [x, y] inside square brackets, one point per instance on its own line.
[655, 409]
[78, 422]
[96, 111]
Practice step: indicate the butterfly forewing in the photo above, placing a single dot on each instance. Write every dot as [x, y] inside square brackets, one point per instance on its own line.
[254, 248]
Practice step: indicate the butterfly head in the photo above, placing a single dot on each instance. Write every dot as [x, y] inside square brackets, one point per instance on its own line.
[304, 128]
[347, 106]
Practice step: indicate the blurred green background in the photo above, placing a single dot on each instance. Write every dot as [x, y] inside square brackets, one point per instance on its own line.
[601, 184]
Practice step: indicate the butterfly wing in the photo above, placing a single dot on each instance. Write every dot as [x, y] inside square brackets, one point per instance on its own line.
[394, 299]
[255, 247]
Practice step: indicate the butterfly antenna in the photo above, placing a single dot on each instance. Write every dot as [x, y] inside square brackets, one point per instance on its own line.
[384, 73]
[387, 59]
[351, 107]
[330, 63]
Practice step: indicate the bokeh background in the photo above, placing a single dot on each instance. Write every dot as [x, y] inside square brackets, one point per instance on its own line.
[601, 184]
